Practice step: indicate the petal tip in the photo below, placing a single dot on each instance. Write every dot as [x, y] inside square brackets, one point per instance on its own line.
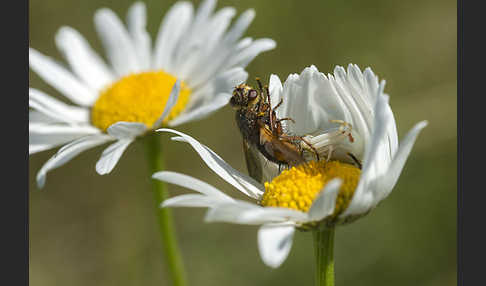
[422, 124]
[101, 169]
[250, 13]
[41, 180]
[156, 175]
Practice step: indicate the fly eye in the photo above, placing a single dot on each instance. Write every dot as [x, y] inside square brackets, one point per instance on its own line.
[232, 101]
[252, 94]
[235, 100]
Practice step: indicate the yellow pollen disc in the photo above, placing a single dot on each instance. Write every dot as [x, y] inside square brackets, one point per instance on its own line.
[298, 187]
[138, 98]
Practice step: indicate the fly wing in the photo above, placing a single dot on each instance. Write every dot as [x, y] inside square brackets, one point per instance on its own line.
[253, 161]
[259, 167]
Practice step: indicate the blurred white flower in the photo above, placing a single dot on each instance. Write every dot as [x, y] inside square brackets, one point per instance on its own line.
[188, 74]
[314, 194]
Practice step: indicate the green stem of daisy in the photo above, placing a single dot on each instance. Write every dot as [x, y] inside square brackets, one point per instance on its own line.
[164, 215]
[324, 249]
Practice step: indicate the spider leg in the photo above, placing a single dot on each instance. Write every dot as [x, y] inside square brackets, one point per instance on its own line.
[345, 128]
[355, 159]
[286, 118]
[329, 153]
[279, 103]
[305, 141]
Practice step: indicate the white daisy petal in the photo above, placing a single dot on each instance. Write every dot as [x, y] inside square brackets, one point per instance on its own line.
[275, 88]
[193, 52]
[359, 120]
[172, 28]
[241, 212]
[48, 128]
[243, 43]
[371, 84]
[381, 122]
[137, 23]
[190, 183]
[274, 243]
[44, 136]
[294, 99]
[226, 81]
[126, 130]
[390, 142]
[174, 95]
[205, 9]
[219, 59]
[242, 182]
[85, 62]
[251, 187]
[240, 26]
[362, 201]
[228, 212]
[192, 200]
[201, 112]
[364, 197]
[247, 182]
[40, 117]
[325, 202]
[311, 91]
[223, 83]
[56, 109]
[117, 42]
[392, 136]
[36, 148]
[205, 55]
[273, 214]
[69, 151]
[219, 23]
[355, 86]
[111, 155]
[248, 54]
[386, 183]
[61, 79]
[58, 135]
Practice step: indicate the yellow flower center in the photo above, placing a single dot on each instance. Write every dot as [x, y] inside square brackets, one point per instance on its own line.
[138, 98]
[298, 187]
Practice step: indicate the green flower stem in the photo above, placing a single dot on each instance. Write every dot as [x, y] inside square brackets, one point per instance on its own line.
[164, 215]
[324, 249]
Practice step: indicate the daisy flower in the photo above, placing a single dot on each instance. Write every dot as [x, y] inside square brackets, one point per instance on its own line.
[197, 57]
[339, 114]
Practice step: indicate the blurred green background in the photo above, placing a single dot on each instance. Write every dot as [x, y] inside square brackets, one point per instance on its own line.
[87, 229]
